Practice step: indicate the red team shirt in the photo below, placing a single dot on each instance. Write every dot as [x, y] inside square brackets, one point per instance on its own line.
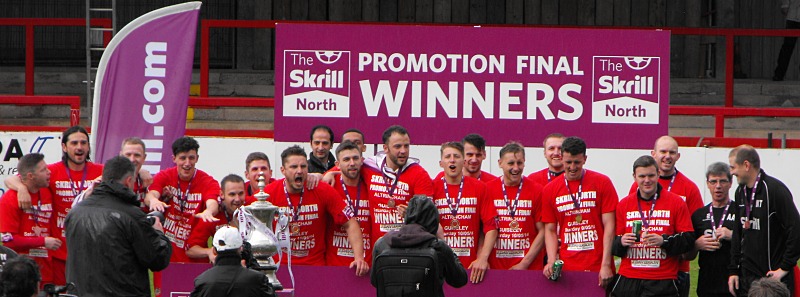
[581, 240]
[319, 205]
[414, 180]
[485, 177]
[339, 252]
[669, 216]
[543, 177]
[475, 214]
[513, 243]
[687, 191]
[179, 215]
[64, 187]
[24, 230]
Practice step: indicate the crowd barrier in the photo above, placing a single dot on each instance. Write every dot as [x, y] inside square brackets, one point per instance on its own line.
[313, 281]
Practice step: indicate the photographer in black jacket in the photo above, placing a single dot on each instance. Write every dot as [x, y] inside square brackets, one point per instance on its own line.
[228, 277]
[110, 240]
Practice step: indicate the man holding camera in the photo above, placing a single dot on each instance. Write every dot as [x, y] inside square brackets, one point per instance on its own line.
[112, 242]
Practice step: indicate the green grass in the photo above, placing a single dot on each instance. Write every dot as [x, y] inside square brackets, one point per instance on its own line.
[693, 272]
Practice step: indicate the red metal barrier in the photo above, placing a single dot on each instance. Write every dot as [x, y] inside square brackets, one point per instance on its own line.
[74, 103]
[216, 102]
[31, 23]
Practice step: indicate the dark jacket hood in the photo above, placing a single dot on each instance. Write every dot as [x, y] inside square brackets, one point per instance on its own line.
[422, 222]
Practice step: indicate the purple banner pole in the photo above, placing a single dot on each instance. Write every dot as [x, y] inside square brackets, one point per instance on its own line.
[142, 84]
[610, 87]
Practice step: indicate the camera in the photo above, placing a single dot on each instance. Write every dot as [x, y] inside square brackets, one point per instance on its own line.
[151, 217]
[53, 290]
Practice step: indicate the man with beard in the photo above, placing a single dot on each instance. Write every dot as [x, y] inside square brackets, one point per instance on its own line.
[466, 211]
[233, 196]
[68, 178]
[765, 243]
[666, 154]
[518, 202]
[393, 178]
[182, 193]
[552, 154]
[713, 228]
[650, 257]
[321, 158]
[474, 154]
[309, 212]
[582, 203]
[353, 191]
[27, 231]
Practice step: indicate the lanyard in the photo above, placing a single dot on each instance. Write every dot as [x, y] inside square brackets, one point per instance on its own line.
[646, 222]
[721, 220]
[347, 195]
[672, 181]
[512, 207]
[390, 186]
[184, 196]
[454, 210]
[80, 187]
[576, 199]
[295, 210]
[750, 203]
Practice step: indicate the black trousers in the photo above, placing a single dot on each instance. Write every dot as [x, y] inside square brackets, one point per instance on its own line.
[786, 51]
[634, 287]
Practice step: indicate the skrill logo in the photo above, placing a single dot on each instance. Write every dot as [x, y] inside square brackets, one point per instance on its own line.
[626, 89]
[316, 83]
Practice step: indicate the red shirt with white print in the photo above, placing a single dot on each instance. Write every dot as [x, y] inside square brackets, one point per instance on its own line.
[24, 230]
[687, 190]
[385, 185]
[580, 229]
[339, 252]
[65, 184]
[310, 211]
[474, 214]
[669, 216]
[187, 199]
[515, 233]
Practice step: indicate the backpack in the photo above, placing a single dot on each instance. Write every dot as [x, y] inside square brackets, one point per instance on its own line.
[404, 272]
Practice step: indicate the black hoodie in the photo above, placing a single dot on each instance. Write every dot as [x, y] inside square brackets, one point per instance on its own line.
[422, 222]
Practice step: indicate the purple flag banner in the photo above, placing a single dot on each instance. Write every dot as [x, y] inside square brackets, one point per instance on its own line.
[142, 84]
[610, 87]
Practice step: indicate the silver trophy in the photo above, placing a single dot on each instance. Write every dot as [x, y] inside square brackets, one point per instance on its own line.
[264, 246]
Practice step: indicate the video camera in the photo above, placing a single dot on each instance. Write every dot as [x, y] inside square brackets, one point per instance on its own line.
[52, 290]
[151, 217]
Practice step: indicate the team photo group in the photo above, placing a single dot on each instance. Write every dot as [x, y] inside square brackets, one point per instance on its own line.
[93, 224]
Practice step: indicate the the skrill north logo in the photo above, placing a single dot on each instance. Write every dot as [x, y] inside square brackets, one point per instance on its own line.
[626, 89]
[316, 83]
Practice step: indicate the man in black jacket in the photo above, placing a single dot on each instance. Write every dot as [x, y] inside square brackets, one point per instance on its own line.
[419, 231]
[767, 242]
[112, 244]
[228, 277]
